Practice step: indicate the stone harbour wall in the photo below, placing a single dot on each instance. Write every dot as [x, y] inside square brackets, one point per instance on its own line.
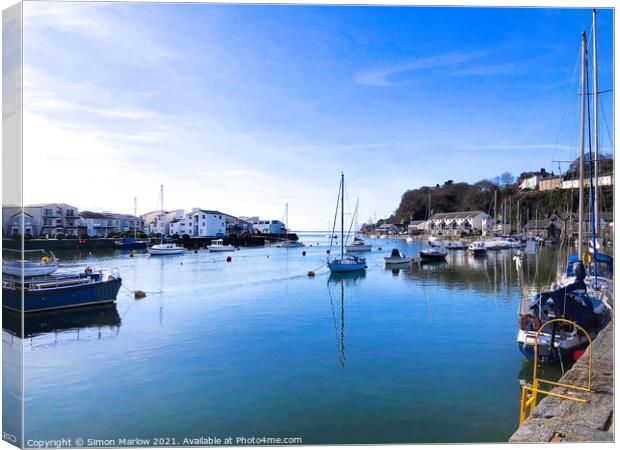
[560, 420]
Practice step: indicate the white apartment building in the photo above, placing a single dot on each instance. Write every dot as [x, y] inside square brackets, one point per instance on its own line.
[457, 222]
[154, 222]
[40, 220]
[200, 223]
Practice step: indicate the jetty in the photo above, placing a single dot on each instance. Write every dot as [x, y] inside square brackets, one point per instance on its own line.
[557, 419]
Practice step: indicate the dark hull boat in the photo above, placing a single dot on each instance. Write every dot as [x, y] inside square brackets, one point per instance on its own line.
[37, 323]
[433, 254]
[129, 244]
[60, 291]
[560, 340]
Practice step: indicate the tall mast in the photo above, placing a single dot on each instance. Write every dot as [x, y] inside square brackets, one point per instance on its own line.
[596, 142]
[583, 139]
[342, 218]
[495, 206]
[428, 213]
[135, 214]
[518, 218]
[161, 188]
[286, 227]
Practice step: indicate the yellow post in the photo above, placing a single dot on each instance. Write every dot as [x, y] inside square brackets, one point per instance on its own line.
[530, 403]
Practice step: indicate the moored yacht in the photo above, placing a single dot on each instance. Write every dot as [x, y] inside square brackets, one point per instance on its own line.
[397, 257]
[346, 262]
[434, 253]
[164, 248]
[477, 248]
[218, 246]
[358, 245]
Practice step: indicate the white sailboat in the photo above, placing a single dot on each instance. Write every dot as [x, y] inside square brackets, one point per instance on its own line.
[161, 248]
[288, 243]
[346, 262]
[358, 245]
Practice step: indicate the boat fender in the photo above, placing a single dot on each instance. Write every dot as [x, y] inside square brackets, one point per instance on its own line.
[529, 319]
[229, 259]
[587, 257]
[139, 294]
[45, 260]
[578, 354]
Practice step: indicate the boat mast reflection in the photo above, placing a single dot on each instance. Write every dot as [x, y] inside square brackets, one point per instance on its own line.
[341, 279]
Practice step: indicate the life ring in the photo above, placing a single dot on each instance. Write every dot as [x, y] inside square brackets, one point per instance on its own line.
[587, 257]
[529, 319]
[45, 260]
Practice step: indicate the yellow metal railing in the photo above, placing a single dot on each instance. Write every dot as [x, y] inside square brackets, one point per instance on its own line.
[528, 402]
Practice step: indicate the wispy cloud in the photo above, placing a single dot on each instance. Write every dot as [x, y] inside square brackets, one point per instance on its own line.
[384, 76]
[486, 70]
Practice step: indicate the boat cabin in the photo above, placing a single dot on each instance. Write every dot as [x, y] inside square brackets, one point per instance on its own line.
[604, 266]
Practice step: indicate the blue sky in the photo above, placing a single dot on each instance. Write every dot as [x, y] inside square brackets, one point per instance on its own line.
[244, 108]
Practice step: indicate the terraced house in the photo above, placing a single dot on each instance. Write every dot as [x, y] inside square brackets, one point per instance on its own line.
[456, 223]
[41, 220]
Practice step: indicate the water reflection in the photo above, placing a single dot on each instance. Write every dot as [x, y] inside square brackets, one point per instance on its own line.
[339, 280]
[99, 318]
[396, 268]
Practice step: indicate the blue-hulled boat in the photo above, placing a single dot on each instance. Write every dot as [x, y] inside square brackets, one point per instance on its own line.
[346, 263]
[129, 243]
[60, 291]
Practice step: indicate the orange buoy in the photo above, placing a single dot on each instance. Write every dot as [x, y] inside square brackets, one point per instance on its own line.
[229, 259]
[311, 274]
[139, 294]
[132, 254]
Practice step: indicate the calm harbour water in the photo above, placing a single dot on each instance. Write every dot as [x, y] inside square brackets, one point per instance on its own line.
[256, 348]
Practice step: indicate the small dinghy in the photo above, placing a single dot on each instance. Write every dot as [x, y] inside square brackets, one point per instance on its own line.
[456, 245]
[288, 244]
[434, 254]
[397, 257]
[30, 263]
[477, 248]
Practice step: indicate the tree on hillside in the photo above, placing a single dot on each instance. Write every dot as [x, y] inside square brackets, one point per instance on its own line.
[606, 166]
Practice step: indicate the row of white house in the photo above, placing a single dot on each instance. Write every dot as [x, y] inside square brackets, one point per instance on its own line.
[54, 219]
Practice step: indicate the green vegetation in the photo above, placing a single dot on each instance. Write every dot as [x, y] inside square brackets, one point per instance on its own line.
[453, 197]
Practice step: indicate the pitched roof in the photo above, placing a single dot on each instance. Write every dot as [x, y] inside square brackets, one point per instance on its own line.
[456, 215]
[95, 215]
